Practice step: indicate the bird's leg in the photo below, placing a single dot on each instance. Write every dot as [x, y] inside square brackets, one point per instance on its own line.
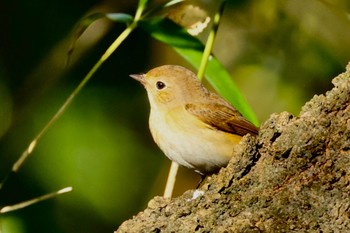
[201, 180]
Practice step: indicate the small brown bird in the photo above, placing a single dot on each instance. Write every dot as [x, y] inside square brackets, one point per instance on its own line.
[193, 126]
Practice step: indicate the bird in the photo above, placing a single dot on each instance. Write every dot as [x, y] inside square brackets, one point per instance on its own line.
[192, 125]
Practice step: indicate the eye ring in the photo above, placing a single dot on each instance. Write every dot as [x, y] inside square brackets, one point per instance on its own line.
[160, 85]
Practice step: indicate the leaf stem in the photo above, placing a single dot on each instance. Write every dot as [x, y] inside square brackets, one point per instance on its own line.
[33, 201]
[210, 41]
[206, 55]
[170, 183]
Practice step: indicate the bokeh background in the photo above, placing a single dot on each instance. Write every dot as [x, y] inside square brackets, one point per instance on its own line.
[280, 53]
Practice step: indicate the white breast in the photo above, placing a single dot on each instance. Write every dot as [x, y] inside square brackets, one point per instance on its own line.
[189, 142]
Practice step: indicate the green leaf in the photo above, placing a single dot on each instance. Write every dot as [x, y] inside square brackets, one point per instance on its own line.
[88, 20]
[191, 49]
[171, 3]
[160, 7]
[120, 17]
[170, 33]
[85, 22]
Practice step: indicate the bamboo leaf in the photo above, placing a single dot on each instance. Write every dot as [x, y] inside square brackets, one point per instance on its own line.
[119, 17]
[88, 20]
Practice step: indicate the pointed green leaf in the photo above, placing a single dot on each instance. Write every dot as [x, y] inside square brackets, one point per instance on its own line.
[170, 33]
[85, 22]
[171, 3]
[161, 7]
[120, 17]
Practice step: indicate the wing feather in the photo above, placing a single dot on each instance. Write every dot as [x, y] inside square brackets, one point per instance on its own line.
[222, 117]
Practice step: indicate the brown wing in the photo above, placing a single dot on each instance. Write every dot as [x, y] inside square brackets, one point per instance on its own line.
[222, 118]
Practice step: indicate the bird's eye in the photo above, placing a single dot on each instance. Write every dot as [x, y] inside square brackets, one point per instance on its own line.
[160, 85]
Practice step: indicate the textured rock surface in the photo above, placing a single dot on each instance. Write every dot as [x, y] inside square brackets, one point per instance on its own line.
[295, 176]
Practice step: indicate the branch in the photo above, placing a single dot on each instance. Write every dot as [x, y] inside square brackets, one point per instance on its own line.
[294, 176]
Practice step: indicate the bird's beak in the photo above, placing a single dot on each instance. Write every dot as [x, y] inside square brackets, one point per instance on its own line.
[138, 77]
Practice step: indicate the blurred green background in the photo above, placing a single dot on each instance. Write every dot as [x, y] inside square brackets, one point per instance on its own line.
[280, 53]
